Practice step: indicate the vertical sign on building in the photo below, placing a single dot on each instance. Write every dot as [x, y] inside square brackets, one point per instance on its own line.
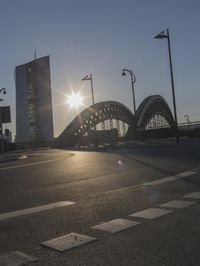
[32, 100]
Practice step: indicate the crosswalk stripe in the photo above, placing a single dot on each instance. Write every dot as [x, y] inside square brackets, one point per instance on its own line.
[16, 258]
[150, 213]
[177, 204]
[116, 225]
[193, 195]
[68, 241]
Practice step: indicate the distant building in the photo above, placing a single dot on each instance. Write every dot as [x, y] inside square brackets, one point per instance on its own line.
[34, 119]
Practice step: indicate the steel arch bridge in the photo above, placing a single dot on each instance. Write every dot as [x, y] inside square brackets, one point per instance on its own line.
[86, 124]
[151, 106]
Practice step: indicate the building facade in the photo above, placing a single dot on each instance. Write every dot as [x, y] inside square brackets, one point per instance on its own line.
[34, 118]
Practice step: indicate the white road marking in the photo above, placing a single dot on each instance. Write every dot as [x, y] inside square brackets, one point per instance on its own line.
[151, 213]
[28, 164]
[116, 225]
[161, 181]
[69, 241]
[22, 157]
[16, 258]
[170, 178]
[186, 174]
[41, 208]
[156, 182]
[177, 204]
[194, 195]
[123, 188]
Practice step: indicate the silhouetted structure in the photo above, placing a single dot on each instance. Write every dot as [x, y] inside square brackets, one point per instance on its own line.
[34, 119]
[153, 113]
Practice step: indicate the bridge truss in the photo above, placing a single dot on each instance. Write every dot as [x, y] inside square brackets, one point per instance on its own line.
[108, 121]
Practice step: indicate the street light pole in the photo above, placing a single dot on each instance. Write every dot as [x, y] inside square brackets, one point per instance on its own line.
[3, 90]
[89, 77]
[162, 35]
[1, 129]
[92, 89]
[133, 80]
[172, 81]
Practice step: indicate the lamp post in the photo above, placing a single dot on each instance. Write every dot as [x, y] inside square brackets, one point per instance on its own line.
[133, 80]
[3, 90]
[89, 77]
[187, 120]
[163, 35]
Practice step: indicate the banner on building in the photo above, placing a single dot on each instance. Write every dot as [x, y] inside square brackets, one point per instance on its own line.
[5, 114]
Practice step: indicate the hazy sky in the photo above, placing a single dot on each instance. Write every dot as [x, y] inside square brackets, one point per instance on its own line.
[102, 37]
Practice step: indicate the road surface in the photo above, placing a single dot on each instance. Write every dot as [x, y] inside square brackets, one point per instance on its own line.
[133, 201]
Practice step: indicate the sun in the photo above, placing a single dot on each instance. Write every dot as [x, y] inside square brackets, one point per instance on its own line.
[75, 100]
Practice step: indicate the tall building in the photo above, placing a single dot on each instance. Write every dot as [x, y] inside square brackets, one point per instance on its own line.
[34, 119]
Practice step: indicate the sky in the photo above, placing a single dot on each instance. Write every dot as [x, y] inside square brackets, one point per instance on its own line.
[102, 37]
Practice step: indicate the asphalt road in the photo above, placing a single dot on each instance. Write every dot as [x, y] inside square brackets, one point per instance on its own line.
[103, 186]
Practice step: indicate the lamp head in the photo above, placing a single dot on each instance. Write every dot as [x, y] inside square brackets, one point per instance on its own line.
[3, 90]
[123, 73]
[161, 35]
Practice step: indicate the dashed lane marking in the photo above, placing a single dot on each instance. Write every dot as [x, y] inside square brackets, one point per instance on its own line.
[151, 213]
[177, 204]
[41, 208]
[68, 241]
[116, 225]
[16, 258]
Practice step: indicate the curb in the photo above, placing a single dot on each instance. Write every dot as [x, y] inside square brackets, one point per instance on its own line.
[5, 160]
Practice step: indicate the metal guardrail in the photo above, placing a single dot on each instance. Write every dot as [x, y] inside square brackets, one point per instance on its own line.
[190, 124]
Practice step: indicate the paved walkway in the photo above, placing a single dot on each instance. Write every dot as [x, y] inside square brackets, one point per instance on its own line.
[8, 157]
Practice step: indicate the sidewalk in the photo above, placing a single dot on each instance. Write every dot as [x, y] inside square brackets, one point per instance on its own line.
[8, 157]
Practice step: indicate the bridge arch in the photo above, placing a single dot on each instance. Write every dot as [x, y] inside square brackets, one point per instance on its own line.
[151, 106]
[87, 120]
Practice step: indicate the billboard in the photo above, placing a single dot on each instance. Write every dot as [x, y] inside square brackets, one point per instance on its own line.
[5, 114]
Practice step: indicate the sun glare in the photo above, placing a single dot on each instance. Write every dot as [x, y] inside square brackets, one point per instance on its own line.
[75, 100]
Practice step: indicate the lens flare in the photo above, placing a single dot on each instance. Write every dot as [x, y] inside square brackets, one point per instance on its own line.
[120, 164]
[75, 100]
